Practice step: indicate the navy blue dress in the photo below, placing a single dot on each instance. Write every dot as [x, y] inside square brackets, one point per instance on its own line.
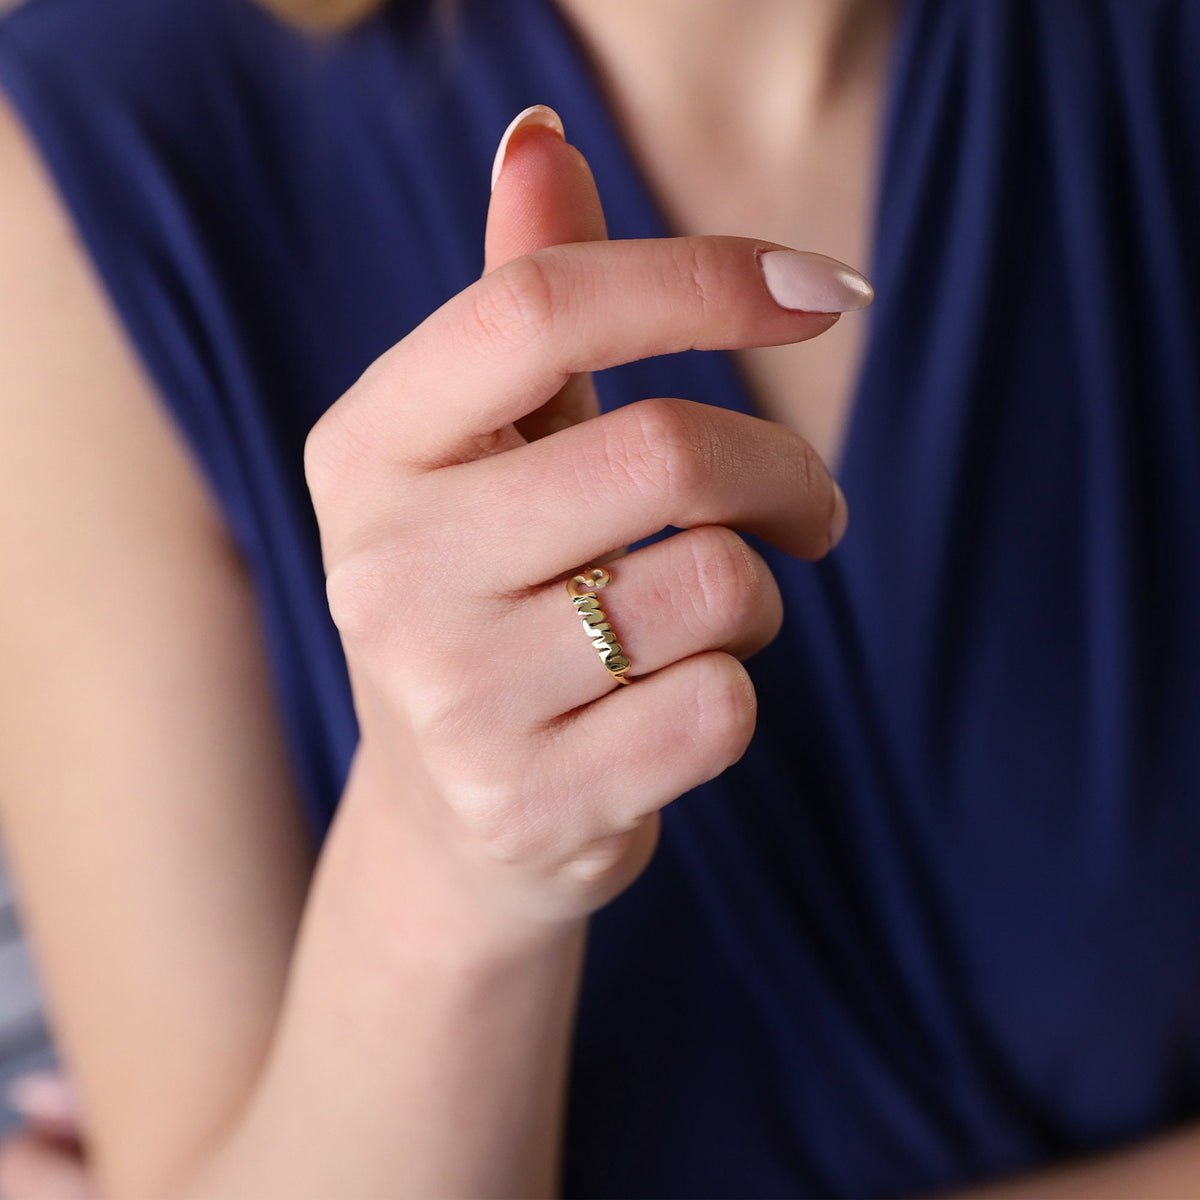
[943, 919]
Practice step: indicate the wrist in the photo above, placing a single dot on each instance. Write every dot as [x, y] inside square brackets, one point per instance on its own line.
[434, 905]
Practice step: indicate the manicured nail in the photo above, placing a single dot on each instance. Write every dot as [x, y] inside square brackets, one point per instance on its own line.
[43, 1094]
[841, 516]
[813, 283]
[537, 114]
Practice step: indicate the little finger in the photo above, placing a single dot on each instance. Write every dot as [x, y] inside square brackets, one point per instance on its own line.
[634, 751]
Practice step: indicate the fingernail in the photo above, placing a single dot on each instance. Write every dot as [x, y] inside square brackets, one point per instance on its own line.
[43, 1094]
[841, 516]
[813, 283]
[537, 114]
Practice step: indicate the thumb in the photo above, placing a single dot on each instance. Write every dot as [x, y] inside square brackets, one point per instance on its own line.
[543, 194]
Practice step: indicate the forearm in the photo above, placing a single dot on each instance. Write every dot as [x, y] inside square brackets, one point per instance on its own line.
[1164, 1168]
[422, 1045]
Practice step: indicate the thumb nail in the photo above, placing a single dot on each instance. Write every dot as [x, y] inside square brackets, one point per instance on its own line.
[537, 114]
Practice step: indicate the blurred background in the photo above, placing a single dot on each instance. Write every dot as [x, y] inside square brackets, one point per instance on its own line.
[24, 1041]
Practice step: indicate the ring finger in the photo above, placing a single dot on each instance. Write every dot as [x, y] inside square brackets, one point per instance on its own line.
[702, 589]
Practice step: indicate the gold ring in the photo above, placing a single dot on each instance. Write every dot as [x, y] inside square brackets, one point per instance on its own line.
[582, 590]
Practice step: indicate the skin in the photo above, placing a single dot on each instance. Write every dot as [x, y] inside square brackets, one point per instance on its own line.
[439, 943]
[433, 1019]
[762, 120]
[152, 897]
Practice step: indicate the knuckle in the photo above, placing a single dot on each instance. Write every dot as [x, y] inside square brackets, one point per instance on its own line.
[728, 585]
[666, 452]
[390, 582]
[514, 306]
[336, 452]
[600, 856]
[699, 268]
[361, 593]
[517, 808]
[810, 470]
[321, 455]
[435, 709]
[497, 818]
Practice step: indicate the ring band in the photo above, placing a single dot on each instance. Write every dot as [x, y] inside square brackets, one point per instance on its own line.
[582, 590]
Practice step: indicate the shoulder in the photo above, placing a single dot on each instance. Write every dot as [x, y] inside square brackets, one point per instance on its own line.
[131, 120]
[112, 53]
[127, 74]
[167, 127]
[128, 91]
[129, 46]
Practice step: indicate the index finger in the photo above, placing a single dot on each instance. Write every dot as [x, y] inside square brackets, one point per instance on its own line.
[505, 345]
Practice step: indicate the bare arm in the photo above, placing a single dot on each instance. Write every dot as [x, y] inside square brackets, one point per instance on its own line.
[151, 821]
[163, 883]
[421, 1042]
[1162, 1168]
[147, 807]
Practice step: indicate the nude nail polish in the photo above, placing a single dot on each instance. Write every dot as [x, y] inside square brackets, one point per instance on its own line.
[536, 114]
[813, 283]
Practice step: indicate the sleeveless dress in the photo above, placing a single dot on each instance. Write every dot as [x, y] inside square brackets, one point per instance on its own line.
[943, 919]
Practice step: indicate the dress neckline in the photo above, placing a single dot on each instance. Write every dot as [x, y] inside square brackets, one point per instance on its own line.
[633, 210]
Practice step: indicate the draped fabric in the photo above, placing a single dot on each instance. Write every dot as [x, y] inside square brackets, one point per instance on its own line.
[942, 921]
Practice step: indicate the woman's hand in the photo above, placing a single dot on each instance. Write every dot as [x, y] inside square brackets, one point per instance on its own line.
[467, 474]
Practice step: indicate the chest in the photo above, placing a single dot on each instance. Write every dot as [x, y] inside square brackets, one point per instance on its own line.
[820, 197]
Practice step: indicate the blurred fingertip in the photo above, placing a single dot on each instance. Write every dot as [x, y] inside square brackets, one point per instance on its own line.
[44, 1094]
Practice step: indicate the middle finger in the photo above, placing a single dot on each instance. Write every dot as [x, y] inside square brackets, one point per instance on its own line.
[541, 510]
